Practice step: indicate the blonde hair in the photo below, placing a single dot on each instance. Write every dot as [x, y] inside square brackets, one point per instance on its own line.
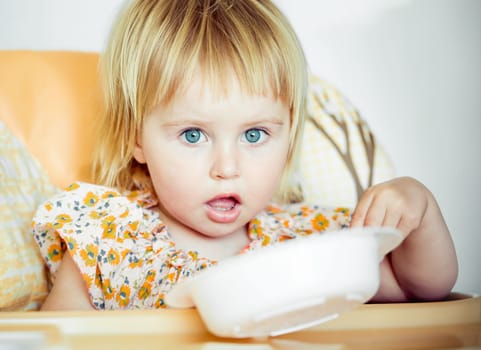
[157, 45]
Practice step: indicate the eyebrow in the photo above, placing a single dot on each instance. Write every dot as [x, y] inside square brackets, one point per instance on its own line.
[199, 122]
[182, 122]
[275, 121]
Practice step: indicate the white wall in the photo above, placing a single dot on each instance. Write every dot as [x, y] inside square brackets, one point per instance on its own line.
[412, 67]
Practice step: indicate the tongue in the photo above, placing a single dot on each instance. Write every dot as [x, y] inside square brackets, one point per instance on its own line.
[223, 203]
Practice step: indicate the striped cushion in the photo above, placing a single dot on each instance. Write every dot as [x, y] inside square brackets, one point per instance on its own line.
[324, 176]
[23, 186]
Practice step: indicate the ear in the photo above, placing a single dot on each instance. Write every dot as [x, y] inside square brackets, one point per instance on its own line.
[139, 151]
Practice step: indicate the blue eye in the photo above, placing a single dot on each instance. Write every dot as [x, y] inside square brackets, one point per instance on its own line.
[254, 135]
[192, 135]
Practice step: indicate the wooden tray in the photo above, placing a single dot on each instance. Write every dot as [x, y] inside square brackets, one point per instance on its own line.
[451, 324]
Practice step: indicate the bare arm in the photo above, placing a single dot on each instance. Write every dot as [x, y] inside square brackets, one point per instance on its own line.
[424, 266]
[69, 291]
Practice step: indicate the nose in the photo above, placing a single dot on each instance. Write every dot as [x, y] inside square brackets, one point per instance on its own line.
[225, 164]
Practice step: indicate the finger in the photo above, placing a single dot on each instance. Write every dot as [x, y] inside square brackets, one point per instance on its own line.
[391, 219]
[376, 214]
[406, 225]
[359, 214]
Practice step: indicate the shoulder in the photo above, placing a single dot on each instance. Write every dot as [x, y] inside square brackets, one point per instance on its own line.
[303, 218]
[82, 205]
[95, 224]
[86, 194]
[277, 223]
[80, 196]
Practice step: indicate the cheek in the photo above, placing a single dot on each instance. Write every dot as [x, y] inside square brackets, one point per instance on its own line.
[265, 172]
[172, 170]
[174, 187]
[175, 175]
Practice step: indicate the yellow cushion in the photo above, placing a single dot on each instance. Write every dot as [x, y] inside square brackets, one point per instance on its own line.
[333, 124]
[23, 186]
[48, 100]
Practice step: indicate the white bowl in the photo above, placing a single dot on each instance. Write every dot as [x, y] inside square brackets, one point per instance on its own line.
[288, 286]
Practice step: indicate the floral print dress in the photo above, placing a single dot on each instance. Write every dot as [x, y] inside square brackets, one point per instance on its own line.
[125, 253]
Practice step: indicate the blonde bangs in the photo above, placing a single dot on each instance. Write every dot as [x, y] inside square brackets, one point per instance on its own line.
[219, 38]
[156, 49]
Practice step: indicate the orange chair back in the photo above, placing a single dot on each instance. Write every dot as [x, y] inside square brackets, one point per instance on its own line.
[50, 100]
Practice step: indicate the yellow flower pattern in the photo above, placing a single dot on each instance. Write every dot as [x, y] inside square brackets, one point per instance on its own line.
[109, 227]
[89, 254]
[90, 199]
[113, 257]
[125, 253]
[61, 220]
[109, 292]
[123, 296]
[320, 222]
[55, 252]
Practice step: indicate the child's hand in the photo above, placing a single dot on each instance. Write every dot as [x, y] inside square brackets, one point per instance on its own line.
[399, 203]
[424, 266]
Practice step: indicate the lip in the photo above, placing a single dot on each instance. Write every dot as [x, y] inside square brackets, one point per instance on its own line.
[226, 195]
[224, 216]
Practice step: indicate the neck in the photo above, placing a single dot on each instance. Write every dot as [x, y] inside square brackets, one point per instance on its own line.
[217, 248]
[214, 248]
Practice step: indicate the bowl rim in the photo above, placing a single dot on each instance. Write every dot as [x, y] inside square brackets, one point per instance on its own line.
[388, 238]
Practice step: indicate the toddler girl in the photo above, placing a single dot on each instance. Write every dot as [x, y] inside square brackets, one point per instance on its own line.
[204, 106]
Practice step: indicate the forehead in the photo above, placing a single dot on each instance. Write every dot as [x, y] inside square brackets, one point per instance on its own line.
[232, 98]
[216, 86]
[211, 87]
[204, 101]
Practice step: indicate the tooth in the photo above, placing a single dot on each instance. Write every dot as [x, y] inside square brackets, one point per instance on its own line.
[224, 209]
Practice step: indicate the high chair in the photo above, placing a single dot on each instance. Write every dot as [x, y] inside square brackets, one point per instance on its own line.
[48, 105]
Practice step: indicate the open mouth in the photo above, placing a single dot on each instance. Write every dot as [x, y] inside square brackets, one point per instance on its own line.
[223, 203]
[224, 208]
